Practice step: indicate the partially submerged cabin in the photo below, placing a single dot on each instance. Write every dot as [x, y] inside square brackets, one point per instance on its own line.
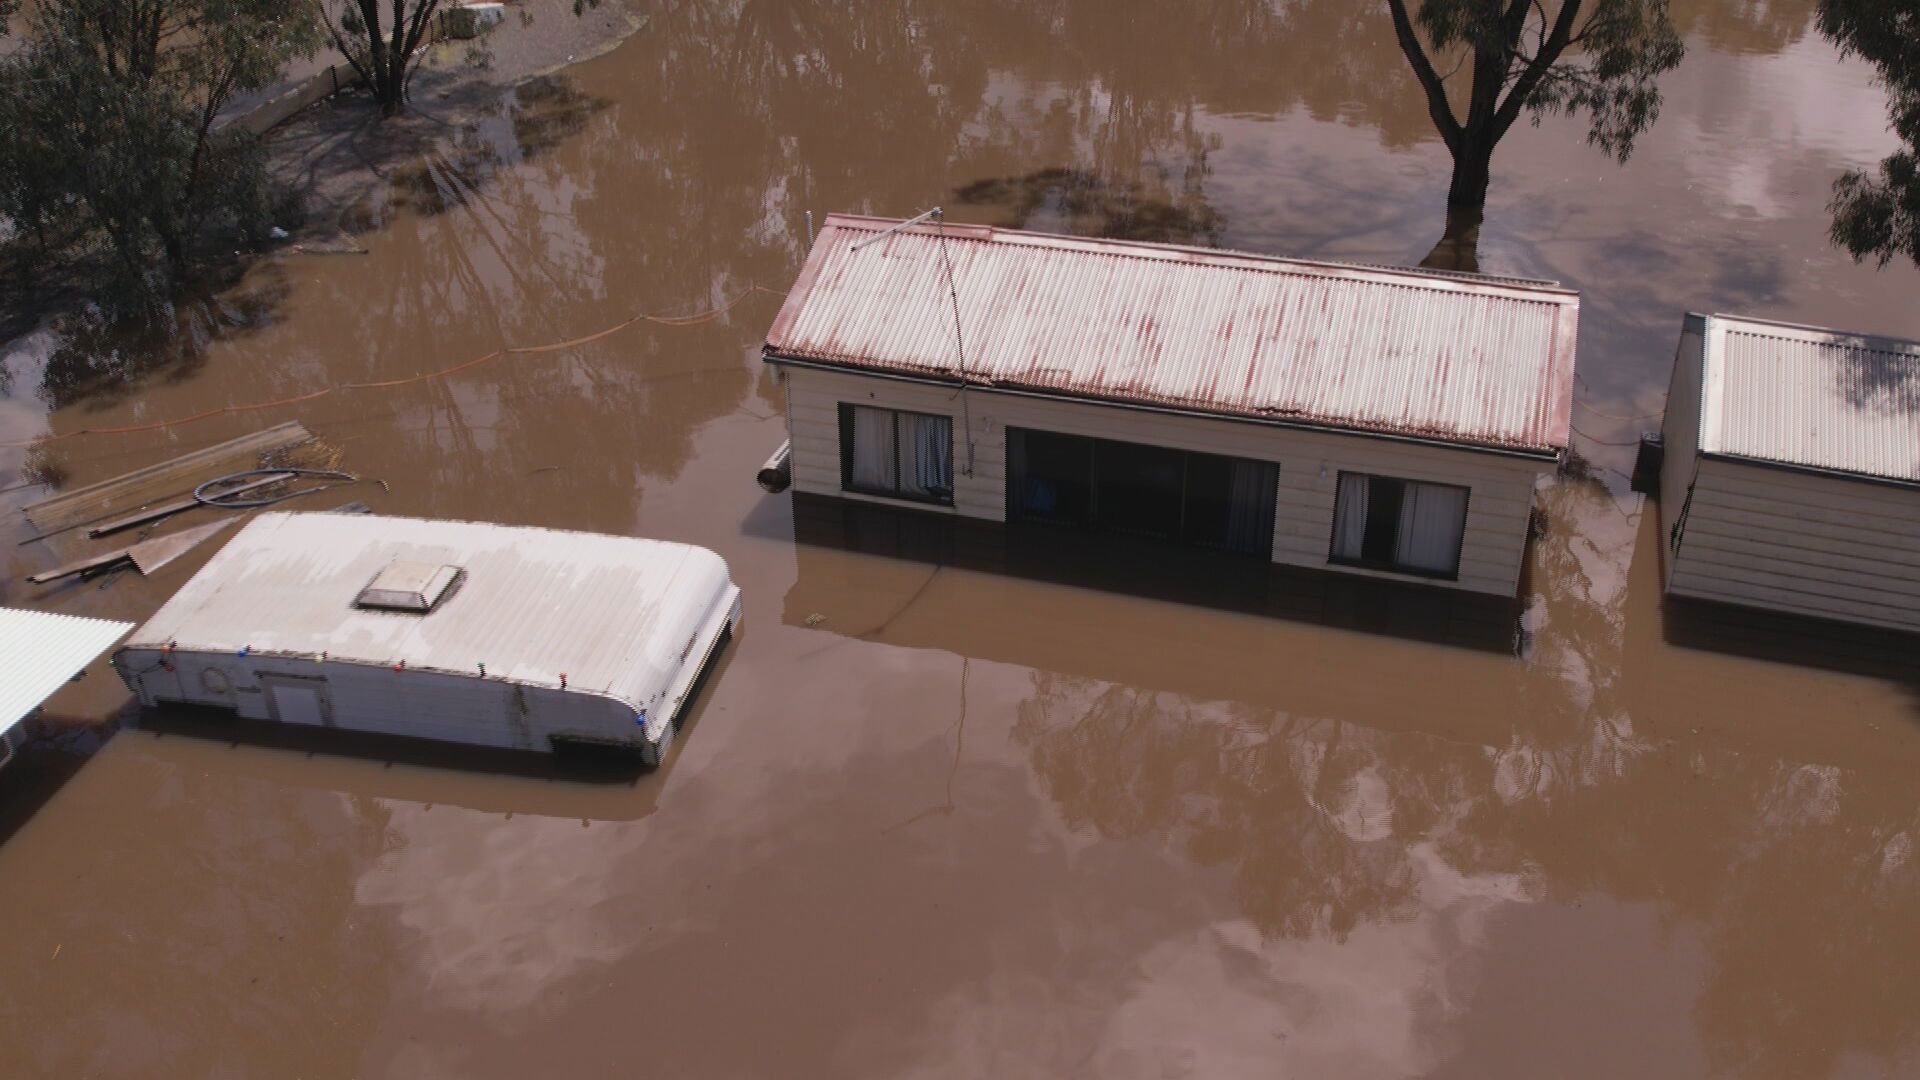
[1790, 477]
[517, 638]
[1376, 421]
[40, 652]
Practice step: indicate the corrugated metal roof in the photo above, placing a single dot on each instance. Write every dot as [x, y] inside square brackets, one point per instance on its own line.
[1444, 357]
[1821, 399]
[613, 614]
[40, 651]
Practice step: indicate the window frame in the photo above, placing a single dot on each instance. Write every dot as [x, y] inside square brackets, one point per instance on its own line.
[897, 493]
[1389, 566]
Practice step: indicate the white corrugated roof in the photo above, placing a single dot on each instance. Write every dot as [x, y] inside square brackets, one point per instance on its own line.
[1821, 399]
[40, 651]
[1448, 357]
[614, 614]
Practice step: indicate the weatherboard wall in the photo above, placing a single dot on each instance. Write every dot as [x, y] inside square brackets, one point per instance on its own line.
[1310, 462]
[1802, 543]
[1680, 436]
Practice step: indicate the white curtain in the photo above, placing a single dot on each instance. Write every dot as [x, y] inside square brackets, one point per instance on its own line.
[1432, 517]
[926, 454]
[873, 456]
[1350, 517]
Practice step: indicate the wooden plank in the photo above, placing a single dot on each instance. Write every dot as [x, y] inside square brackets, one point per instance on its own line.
[173, 477]
[93, 562]
[172, 508]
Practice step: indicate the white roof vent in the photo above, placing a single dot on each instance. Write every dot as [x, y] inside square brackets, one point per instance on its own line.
[410, 586]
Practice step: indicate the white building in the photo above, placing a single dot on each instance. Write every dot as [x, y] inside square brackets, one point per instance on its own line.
[484, 634]
[1791, 475]
[1375, 421]
[39, 653]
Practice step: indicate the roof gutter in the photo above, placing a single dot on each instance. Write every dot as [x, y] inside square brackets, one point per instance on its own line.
[1813, 470]
[1545, 456]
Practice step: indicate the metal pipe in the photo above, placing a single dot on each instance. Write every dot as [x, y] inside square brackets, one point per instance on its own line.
[777, 473]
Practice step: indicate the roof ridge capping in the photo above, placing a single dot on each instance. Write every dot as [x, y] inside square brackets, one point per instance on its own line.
[1557, 292]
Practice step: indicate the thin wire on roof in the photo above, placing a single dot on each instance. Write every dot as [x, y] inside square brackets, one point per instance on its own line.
[1450, 357]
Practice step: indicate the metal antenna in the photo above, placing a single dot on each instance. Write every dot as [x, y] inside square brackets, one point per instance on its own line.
[939, 218]
[894, 228]
[959, 341]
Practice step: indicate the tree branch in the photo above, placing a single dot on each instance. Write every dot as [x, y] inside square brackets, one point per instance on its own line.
[1436, 91]
[1538, 68]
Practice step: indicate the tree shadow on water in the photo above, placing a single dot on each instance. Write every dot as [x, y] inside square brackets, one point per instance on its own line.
[99, 361]
[1082, 202]
[430, 163]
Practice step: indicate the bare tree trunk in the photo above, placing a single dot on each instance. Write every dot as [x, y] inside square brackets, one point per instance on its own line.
[1459, 246]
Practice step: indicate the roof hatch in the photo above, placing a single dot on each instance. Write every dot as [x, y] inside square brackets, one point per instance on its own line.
[413, 587]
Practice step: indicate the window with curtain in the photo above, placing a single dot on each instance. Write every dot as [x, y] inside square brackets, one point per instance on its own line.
[901, 455]
[1403, 525]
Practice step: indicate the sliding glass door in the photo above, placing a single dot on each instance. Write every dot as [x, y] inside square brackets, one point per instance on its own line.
[1180, 495]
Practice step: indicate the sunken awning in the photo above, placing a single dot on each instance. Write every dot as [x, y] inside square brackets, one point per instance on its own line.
[1447, 357]
[40, 651]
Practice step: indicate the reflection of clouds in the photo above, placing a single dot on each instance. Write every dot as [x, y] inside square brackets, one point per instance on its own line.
[505, 911]
[1222, 1000]
[1754, 120]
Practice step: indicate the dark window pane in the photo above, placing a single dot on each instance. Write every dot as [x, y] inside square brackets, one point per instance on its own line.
[1209, 510]
[1138, 488]
[1052, 477]
[1384, 498]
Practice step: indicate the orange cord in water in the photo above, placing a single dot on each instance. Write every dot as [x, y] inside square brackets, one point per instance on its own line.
[675, 321]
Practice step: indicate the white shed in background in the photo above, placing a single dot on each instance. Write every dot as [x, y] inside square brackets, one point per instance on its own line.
[1370, 420]
[39, 653]
[491, 635]
[1791, 471]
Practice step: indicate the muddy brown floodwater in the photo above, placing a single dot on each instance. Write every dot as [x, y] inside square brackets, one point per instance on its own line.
[935, 822]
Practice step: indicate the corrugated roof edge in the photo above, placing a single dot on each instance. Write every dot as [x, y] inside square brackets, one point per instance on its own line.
[1300, 423]
[1219, 256]
[1706, 324]
[1894, 344]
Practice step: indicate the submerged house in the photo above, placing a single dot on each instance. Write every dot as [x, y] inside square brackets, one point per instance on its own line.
[466, 632]
[1790, 478]
[1373, 421]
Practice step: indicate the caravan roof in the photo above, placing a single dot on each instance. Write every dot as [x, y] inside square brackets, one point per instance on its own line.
[613, 615]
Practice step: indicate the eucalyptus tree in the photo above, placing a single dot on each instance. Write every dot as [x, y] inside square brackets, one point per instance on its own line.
[1483, 64]
[1876, 214]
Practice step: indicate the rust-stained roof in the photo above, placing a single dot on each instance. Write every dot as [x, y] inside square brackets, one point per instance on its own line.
[1454, 358]
[1813, 398]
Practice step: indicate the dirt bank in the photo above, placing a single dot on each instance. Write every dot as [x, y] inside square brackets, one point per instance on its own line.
[343, 157]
